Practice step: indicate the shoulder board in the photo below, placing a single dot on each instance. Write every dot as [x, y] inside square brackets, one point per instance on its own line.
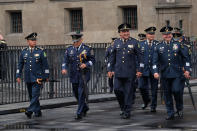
[25, 48]
[117, 39]
[69, 46]
[39, 48]
[187, 45]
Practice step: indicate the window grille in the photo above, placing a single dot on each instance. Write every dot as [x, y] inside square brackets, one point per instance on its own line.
[16, 22]
[76, 18]
[130, 16]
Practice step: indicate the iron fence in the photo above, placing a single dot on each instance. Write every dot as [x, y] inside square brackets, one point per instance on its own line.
[59, 86]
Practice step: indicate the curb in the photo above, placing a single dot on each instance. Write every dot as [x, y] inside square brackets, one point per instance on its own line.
[58, 105]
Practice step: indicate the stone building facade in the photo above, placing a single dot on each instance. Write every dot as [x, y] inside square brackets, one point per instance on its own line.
[53, 20]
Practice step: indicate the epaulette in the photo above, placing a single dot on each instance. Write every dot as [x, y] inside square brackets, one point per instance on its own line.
[189, 46]
[39, 48]
[69, 46]
[157, 42]
[24, 48]
[86, 46]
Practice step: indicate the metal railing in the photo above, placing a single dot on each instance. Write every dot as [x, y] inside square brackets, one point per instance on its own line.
[59, 86]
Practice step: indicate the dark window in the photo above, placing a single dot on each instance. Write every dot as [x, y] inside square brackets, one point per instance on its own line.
[180, 24]
[16, 22]
[167, 23]
[130, 16]
[76, 18]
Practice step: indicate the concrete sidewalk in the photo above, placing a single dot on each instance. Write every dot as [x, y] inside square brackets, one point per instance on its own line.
[66, 101]
[53, 103]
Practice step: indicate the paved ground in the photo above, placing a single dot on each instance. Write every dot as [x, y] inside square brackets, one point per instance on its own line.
[103, 116]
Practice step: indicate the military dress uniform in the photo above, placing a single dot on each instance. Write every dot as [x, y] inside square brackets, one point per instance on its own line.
[71, 62]
[123, 62]
[147, 76]
[34, 61]
[168, 55]
[147, 48]
[178, 36]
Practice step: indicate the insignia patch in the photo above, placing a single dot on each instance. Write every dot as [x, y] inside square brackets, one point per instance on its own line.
[175, 47]
[138, 45]
[154, 66]
[161, 49]
[36, 55]
[84, 52]
[45, 55]
[71, 52]
[130, 46]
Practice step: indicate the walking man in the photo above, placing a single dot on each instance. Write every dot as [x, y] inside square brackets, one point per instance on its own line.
[34, 60]
[169, 55]
[122, 62]
[78, 59]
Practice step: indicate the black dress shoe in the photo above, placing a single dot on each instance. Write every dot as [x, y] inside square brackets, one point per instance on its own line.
[126, 116]
[85, 111]
[153, 110]
[121, 113]
[170, 117]
[28, 114]
[38, 114]
[180, 114]
[78, 117]
[145, 104]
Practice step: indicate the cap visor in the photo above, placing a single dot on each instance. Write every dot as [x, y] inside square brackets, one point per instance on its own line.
[166, 33]
[151, 33]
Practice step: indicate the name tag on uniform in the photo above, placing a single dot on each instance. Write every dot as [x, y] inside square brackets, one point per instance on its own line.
[130, 46]
[71, 52]
[36, 55]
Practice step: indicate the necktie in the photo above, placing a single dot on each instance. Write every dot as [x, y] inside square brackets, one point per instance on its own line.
[150, 44]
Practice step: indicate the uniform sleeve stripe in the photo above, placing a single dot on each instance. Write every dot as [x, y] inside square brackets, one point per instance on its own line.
[47, 71]
[90, 62]
[141, 65]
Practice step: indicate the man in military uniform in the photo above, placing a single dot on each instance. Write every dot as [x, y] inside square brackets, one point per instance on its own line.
[34, 60]
[178, 36]
[122, 62]
[78, 59]
[141, 37]
[167, 54]
[107, 55]
[147, 48]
